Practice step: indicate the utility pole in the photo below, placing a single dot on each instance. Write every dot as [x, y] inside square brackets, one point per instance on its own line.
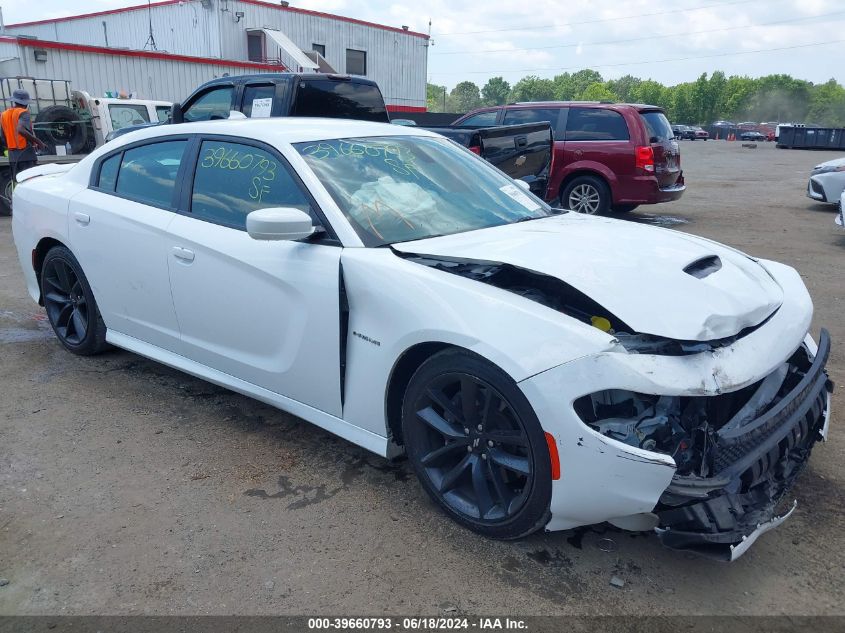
[444, 98]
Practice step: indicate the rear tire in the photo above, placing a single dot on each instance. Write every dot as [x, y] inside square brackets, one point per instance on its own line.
[586, 194]
[70, 305]
[476, 445]
[6, 189]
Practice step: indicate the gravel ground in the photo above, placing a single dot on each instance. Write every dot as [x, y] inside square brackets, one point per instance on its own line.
[127, 487]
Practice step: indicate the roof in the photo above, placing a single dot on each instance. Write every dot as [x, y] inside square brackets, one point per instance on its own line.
[277, 76]
[163, 3]
[278, 131]
[639, 106]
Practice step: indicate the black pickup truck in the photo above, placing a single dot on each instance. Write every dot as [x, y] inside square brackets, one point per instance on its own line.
[521, 151]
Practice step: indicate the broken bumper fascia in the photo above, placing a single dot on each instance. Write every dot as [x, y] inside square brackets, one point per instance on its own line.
[717, 516]
[603, 479]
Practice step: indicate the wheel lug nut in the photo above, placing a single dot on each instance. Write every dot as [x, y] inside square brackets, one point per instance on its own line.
[490, 443]
[466, 431]
[479, 427]
[469, 449]
[483, 455]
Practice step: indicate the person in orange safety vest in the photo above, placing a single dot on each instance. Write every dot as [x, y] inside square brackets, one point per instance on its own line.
[18, 135]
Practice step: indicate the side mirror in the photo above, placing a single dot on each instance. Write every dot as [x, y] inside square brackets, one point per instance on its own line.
[279, 223]
[176, 114]
[522, 184]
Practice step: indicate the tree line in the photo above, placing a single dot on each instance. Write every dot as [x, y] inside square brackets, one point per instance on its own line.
[707, 99]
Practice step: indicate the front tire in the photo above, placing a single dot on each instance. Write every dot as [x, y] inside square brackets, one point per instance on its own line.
[476, 445]
[586, 194]
[70, 305]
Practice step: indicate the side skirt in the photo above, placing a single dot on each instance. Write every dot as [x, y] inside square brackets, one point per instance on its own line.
[372, 442]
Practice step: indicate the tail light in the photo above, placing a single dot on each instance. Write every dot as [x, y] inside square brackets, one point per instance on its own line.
[475, 149]
[645, 158]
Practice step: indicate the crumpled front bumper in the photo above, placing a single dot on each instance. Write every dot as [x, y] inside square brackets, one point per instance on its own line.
[603, 479]
[721, 515]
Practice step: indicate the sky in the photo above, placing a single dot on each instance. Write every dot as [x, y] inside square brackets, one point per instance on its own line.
[671, 41]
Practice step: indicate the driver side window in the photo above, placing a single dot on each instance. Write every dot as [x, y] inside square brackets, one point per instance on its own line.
[214, 104]
[232, 180]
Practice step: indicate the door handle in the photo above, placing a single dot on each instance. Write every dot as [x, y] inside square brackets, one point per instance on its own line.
[82, 218]
[520, 141]
[182, 254]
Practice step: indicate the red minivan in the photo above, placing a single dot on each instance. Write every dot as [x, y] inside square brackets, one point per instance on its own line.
[607, 156]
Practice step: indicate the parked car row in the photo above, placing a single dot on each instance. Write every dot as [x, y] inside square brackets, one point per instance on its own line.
[690, 132]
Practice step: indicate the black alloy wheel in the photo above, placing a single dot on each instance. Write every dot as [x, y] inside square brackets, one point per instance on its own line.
[70, 305]
[476, 446]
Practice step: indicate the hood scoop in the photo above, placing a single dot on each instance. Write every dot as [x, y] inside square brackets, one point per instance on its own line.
[704, 267]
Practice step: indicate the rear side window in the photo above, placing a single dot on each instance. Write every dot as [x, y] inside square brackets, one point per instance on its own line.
[214, 104]
[233, 179]
[340, 100]
[657, 126]
[108, 173]
[532, 115]
[163, 113]
[596, 124]
[480, 120]
[148, 173]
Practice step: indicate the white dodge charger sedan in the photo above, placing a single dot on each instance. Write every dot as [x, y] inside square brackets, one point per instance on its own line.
[540, 368]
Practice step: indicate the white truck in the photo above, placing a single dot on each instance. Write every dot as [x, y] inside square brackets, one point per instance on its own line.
[71, 122]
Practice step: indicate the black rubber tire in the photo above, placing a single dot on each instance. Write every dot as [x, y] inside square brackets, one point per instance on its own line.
[533, 513]
[58, 125]
[94, 340]
[593, 182]
[624, 208]
[6, 192]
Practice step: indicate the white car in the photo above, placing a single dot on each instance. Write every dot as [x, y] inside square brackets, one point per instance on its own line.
[540, 368]
[827, 181]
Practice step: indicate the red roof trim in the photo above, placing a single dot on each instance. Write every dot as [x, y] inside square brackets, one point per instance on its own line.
[102, 50]
[93, 15]
[163, 3]
[332, 16]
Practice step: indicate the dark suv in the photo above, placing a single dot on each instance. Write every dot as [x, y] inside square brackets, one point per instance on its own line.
[606, 156]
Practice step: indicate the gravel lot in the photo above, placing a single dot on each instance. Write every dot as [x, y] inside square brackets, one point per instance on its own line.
[127, 487]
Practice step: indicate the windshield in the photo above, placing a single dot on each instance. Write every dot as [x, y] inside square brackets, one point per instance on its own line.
[402, 188]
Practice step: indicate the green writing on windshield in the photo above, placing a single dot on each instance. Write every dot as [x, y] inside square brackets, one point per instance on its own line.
[399, 158]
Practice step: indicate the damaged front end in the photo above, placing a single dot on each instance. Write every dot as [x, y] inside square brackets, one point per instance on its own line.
[737, 454]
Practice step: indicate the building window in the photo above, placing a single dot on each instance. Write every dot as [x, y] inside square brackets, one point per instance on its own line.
[255, 46]
[356, 62]
[319, 48]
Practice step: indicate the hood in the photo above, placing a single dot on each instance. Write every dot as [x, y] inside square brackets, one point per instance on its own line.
[836, 162]
[636, 272]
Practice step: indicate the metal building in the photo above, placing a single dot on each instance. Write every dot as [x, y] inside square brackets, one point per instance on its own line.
[162, 50]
